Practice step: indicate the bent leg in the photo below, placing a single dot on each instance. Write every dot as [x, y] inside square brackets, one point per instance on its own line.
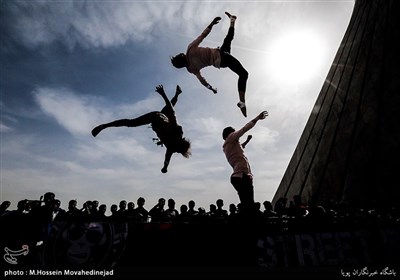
[227, 60]
[174, 99]
[168, 109]
[142, 120]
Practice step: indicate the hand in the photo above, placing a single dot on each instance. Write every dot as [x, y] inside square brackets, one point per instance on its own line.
[249, 137]
[216, 20]
[164, 170]
[178, 89]
[262, 115]
[160, 89]
[214, 90]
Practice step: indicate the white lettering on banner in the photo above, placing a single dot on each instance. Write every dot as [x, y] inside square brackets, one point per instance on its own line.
[313, 249]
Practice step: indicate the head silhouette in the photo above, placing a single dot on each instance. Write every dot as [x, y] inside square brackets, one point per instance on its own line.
[227, 130]
[179, 61]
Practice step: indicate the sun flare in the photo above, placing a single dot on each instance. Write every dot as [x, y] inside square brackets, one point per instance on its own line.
[296, 57]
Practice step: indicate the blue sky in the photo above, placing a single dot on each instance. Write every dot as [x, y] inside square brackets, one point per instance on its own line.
[67, 66]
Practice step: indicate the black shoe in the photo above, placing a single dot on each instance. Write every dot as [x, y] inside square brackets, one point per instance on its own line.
[242, 107]
[230, 16]
[97, 130]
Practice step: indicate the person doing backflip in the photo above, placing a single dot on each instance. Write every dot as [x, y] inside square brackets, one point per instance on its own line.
[241, 178]
[164, 124]
[197, 57]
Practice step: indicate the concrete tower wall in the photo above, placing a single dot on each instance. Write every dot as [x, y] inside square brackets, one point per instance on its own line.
[350, 148]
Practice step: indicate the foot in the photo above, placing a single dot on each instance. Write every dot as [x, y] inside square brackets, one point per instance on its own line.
[231, 17]
[178, 90]
[97, 130]
[242, 107]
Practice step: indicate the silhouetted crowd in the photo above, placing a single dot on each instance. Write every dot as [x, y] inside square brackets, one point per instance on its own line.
[48, 209]
[83, 236]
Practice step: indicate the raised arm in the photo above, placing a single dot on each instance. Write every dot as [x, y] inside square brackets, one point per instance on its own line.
[239, 133]
[247, 141]
[204, 34]
[260, 116]
[168, 155]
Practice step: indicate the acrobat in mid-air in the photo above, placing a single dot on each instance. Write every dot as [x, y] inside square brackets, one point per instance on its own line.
[164, 124]
[197, 57]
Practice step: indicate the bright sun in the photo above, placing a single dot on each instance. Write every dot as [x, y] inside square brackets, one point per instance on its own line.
[296, 57]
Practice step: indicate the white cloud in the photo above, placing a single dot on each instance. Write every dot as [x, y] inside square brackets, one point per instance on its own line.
[87, 23]
[72, 112]
[4, 128]
[98, 23]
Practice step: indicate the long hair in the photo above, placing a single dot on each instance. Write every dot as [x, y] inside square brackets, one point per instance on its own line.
[185, 147]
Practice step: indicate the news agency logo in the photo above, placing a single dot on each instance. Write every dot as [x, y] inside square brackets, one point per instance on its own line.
[10, 255]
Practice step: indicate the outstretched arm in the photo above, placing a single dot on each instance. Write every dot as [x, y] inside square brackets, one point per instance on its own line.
[168, 155]
[239, 133]
[260, 116]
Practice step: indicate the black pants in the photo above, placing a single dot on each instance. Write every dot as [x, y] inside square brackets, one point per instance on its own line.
[245, 189]
[227, 60]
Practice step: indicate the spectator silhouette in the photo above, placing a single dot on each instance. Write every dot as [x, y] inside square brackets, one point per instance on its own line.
[157, 212]
[192, 211]
[212, 211]
[114, 211]
[95, 208]
[171, 213]
[130, 211]
[42, 217]
[57, 212]
[141, 214]
[122, 212]
[184, 216]
[232, 216]
[101, 214]
[201, 216]
[280, 206]
[268, 210]
[220, 212]
[72, 208]
[86, 210]
[4, 206]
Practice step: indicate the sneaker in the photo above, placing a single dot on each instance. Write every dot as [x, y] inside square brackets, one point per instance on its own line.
[97, 130]
[231, 17]
[242, 107]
